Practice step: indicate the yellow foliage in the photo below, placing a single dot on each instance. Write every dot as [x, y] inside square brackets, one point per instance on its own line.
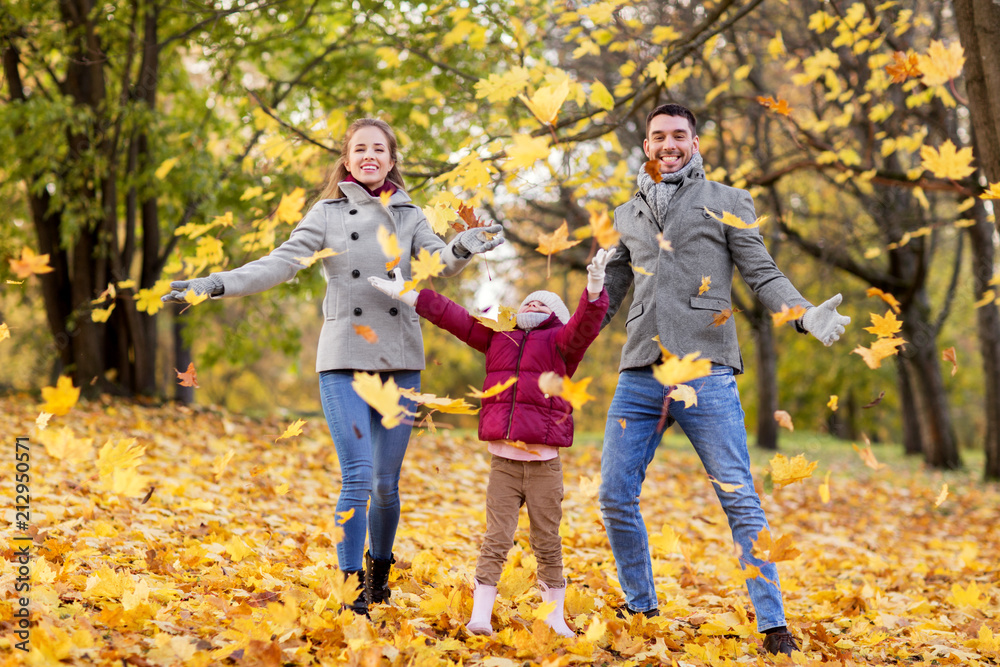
[61, 398]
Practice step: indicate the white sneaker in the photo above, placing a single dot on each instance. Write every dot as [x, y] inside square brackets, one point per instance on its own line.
[483, 598]
[555, 620]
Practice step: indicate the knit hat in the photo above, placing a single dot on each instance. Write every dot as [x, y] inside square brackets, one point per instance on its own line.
[551, 300]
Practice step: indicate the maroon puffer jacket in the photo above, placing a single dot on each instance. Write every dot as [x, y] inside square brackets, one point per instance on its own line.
[522, 412]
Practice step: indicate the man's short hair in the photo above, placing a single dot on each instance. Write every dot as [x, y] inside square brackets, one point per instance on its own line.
[671, 109]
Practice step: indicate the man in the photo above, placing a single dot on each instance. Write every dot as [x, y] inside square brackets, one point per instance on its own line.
[670, 244]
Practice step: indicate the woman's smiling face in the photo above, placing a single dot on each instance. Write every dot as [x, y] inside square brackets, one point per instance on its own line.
[368, 157]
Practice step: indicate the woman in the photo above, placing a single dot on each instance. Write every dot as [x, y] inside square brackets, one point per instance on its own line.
[346, 220]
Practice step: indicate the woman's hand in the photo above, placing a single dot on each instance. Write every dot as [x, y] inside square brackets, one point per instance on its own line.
[480, 239]
[211, 286]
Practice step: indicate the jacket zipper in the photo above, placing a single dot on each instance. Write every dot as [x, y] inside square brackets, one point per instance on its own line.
[517, 372]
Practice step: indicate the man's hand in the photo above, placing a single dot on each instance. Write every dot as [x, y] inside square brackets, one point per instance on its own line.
[824, 322]
[595, 271]
[211, 286]
[394, 288]
[481, 239]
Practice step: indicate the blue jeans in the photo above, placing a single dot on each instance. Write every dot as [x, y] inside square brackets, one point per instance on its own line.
[371, 457]
[716, 429]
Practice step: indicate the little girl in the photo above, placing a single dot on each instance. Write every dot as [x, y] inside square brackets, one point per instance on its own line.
[524, 427]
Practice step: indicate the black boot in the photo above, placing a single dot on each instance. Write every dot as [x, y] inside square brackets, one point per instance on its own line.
[360, 604]
[377, 579]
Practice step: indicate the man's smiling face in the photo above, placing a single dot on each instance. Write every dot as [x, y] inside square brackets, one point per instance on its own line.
[670, 141]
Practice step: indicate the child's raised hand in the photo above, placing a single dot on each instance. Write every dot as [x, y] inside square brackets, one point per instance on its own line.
[394, 288]
[595, 270]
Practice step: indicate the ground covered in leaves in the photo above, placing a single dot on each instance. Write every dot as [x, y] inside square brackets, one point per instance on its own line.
[231, 558]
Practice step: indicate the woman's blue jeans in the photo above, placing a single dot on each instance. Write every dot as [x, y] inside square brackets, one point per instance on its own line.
[371, 457]
[716, 429]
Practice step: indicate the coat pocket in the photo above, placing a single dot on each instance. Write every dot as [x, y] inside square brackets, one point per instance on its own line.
[634, 312]
[708, 303]
[330, 302]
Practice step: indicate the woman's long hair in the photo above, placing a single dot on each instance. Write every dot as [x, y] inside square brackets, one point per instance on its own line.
[332, 188]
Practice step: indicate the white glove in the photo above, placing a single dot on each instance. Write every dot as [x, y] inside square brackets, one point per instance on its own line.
[481, 239]
[595, 271]
[394, 288]
[824, 322]
[211, 286]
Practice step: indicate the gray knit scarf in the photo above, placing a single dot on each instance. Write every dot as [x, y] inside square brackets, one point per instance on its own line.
[658, 195]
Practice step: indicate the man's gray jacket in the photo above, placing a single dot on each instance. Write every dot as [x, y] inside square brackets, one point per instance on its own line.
[349, 227]
[666, 300]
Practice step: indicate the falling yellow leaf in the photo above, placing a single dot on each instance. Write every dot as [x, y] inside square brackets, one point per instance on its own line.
[506, 320]
[949, 162]
[366, 332]
[941, 63]
[734, 221]
[993, 192]
[165, 167]
[880, 349]
[557, 241]
[116, 464]
[720, 318]
[290, 207]
[42, 421]
[438, 217]
[622, 422]
[101, 314]
[675, 370]
[603, 229]
[221, 462]
[941, 496]
[885, 296]
[666, 541]
[664, 243]
[384, 198]
[833, 402]
[785, 471]
[684, 393]
[824, 489]
[426, 265]
[294, 429]
[546, 101]
[62, 397]
[576, 392]
[868, 456]
[388, 242]
[787, 314]
[784, 419]
[384, 398]
[706, 282]
[886, 326]
[4, 331]
[193, 298]
[590, 486]
[495, 390]
[550, 383]
[30, 263]
[597, 629]
[640, 270]
[542, 611]
[62, 444]
[724, 486]
[525, 150]
[949, 355]
[316, 256]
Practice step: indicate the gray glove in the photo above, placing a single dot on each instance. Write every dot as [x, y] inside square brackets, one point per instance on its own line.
[475, 241]
[824, 322]
[595, 270]
[211, 286]
[394, 288]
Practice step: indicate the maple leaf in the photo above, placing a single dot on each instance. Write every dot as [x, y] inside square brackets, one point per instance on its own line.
[724, 486]
[193, 298]
[30, 263]
[62, 397]
[384, 198]
[147, 300]
[557, 241]
[880, 349]
[970, 596]
[506, 320]
[735, 221]
[590, 486]
[652, 167]
[438, 216]
[366, 332]
[290, 207]
[576, 392]
[468, 219]
[902, 67]
[992, 193]
[718, 319]
[949, 162]
[941, 63]
[316, 256]
[667, 540]
[787, 314]
[785, 471]
[942, 496]
[886, 326]
[526, 150]
[664, 243]
[868, 456]
[4, 331]
[706, 282]
[674, 370]
[885, 296]
[949, 355]
[188, 378]
[603, 229]
[684, 393]
[773, 551]
[137, 596]
[784, 419]
[778, 106]
[495, 390]
[388, 242]
[384, 398]
[546, 101]
[832, 403]
[295, 428]
[116, 464]
[426, 265]
[65, 446]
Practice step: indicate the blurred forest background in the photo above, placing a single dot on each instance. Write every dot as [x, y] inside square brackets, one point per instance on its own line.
[147, 141]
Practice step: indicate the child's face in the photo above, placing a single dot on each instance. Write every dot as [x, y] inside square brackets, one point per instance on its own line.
[535, 307]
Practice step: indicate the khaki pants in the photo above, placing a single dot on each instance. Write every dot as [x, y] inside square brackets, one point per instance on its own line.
[539, 485]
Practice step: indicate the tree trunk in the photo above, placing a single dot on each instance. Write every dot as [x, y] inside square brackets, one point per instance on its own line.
[182, 357]
[767, 378]
[913, 436]
[979, 30]
[988, 327]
